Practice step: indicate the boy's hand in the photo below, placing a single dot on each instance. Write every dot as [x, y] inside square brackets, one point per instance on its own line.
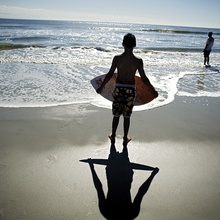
[155, 171]
[156, 93]
[99, 90]
[90, 163]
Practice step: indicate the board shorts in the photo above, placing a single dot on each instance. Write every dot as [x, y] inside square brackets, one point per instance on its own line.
[124, 97]
[206, 53]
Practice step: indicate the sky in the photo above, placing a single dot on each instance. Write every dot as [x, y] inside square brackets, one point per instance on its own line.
[195, 13]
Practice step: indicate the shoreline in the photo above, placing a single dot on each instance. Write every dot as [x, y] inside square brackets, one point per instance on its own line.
[41, 176]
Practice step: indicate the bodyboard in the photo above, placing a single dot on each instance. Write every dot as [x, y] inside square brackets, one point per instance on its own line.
[134, 166]
[143, 93]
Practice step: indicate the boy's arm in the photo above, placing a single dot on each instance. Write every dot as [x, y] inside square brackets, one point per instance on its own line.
[206, 45]
[108, 75]
[97, 183]
[145, 79]
[144, 188]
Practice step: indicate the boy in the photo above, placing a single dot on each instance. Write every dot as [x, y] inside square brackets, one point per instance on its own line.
[124, 93]
[208, 48]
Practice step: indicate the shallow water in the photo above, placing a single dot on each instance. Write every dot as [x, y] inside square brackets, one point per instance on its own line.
[46, 63]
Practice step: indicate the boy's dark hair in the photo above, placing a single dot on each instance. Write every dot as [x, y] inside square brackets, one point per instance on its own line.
[129, 41]
[210, 34]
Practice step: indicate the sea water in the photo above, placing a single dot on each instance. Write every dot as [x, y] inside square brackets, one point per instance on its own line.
[49, 63]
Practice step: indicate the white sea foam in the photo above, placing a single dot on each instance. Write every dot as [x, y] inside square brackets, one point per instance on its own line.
[48, 77]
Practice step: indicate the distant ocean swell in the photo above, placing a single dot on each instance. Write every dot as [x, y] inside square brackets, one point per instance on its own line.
[177, 31]
[9, 46]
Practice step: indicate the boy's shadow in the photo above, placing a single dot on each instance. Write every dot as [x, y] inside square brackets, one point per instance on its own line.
[117, 204]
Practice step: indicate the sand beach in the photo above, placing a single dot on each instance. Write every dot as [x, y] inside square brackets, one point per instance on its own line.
[41, 176]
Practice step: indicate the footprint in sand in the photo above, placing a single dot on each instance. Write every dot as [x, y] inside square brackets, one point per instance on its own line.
[3, 168]
[51, 159]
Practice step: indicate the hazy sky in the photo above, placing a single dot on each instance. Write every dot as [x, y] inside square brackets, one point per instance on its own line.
[200, 13]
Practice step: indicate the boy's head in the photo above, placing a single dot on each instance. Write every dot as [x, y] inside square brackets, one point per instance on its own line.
[129, 41]
[210, 34]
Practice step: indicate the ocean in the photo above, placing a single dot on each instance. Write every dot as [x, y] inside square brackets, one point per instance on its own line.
[50, 63]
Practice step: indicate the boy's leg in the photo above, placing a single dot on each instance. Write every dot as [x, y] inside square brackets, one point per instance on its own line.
[115, 122]
[127, 111]
[126, 129]
[125, 150]
[208, 60]
[204, 59]
[112, 150]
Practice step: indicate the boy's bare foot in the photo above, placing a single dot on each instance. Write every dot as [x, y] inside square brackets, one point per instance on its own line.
[155, 171]
[126, 140]
[112, 138]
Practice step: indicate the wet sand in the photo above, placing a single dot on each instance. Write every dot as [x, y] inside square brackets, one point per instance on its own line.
[41, 176]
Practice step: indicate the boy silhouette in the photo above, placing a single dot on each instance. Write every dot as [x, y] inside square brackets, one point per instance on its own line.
[118, 204]
[124, 93]
[208, 48]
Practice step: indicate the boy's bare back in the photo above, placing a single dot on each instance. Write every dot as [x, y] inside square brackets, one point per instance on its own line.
[127, 64]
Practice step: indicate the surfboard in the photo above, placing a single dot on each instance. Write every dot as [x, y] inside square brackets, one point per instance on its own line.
[143, 93]
[134, 166]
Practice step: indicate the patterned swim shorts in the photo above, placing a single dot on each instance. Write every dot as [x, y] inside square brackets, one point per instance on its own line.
[123, 101]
